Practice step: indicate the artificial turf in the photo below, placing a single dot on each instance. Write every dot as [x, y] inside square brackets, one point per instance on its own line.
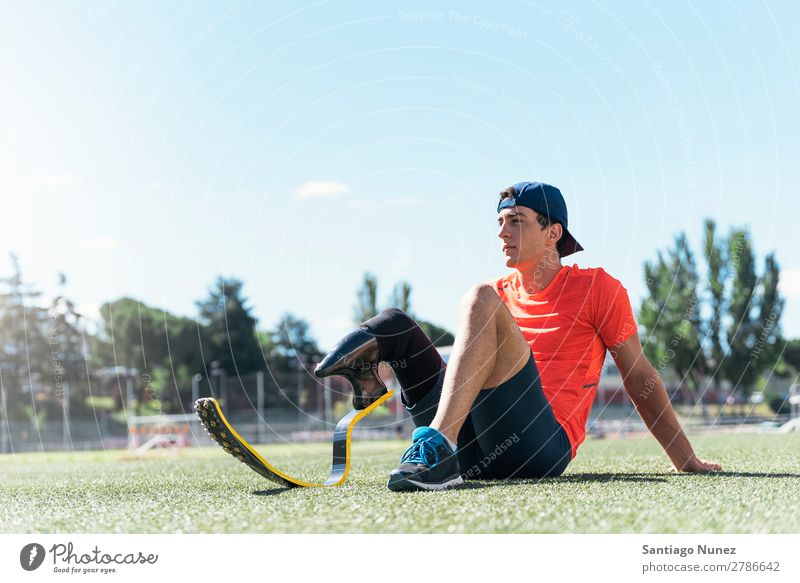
[612, 486]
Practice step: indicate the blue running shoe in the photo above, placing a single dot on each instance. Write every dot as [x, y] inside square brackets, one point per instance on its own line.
[429, 464]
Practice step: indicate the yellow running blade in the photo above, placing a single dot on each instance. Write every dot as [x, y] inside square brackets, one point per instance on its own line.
[223, 433]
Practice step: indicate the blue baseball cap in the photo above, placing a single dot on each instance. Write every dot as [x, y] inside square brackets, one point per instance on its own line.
[546, 200]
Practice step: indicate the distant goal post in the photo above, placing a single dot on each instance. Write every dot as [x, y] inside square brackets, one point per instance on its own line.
[147, 432]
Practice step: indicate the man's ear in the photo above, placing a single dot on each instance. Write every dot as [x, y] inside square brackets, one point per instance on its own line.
[555, 233]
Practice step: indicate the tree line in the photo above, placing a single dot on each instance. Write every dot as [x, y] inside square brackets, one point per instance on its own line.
[49, 348]
[719, 322]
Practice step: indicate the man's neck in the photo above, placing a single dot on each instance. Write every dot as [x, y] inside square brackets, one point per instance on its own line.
[537, 277]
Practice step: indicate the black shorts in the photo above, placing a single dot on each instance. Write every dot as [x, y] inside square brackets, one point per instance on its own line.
[510, 431]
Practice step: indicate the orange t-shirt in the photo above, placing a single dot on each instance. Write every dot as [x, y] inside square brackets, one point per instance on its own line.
[569, 325]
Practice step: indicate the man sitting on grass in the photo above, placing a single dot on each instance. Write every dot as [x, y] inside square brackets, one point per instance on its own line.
[514, 398]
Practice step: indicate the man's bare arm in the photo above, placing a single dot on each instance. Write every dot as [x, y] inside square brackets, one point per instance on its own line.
[644, 387]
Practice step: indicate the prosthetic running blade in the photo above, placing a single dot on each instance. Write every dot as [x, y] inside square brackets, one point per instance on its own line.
[224, 434]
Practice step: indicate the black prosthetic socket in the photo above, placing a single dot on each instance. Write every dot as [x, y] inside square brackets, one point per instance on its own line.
[408, 350]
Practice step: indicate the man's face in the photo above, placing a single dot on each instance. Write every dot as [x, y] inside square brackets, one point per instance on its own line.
[524, 242]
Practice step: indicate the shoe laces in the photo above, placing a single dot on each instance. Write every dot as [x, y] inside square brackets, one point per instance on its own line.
[421, 452]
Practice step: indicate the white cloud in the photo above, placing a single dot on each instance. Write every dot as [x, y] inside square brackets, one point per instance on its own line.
[321, 188]
[101, 242]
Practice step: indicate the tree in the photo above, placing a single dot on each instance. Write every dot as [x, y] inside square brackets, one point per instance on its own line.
[24, 352]
[768, 344]
[366, 299]
[292, 349]
[738, 368]
[401, 296]
[740, 337]
[291, 339]
[716, 261]
[66, 338]
[160, 345]
[229, 328]
[754, 309]
[131, 329]
[671, 314]
[791, 354]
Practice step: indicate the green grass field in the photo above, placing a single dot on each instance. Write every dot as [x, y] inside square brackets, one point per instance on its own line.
[620, 486]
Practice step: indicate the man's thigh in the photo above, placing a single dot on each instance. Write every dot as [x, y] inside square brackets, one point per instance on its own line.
[516, 431]
[513, 350]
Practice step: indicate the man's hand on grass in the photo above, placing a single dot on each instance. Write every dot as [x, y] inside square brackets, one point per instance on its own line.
[695, 464]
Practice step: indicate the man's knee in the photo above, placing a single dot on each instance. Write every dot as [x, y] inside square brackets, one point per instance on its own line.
[480, 297]
[390, 321]
[397, 334]
[395, 313]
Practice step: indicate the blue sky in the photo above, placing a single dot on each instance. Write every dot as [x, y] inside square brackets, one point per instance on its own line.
[148, 147]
